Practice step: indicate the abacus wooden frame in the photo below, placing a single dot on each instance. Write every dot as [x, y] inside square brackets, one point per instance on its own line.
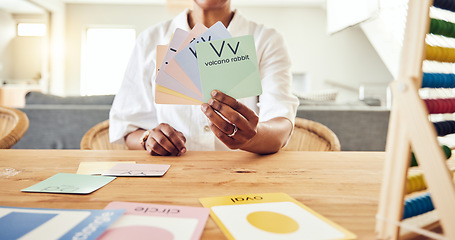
[410, 126]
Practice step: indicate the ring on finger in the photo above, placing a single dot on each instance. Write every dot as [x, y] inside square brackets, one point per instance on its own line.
[233, 132]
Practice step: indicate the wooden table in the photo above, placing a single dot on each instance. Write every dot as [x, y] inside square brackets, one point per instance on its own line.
[342, 186]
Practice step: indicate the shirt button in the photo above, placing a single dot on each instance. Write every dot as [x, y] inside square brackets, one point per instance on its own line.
[206, 128]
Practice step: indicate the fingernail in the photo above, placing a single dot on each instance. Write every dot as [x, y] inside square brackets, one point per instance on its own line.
[183, 150]
[214, 92]
[204, 107]
[211, 102]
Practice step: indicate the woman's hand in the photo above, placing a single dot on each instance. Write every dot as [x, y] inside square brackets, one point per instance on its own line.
[237, 125]
[164, 140]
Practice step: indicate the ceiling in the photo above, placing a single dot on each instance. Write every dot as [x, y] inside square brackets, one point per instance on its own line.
[26, 6]
[19, 6]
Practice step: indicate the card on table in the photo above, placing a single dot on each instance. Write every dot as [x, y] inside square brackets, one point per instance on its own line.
[160, 221]
[229, 65]
[137, 170]
[44, 223]
[270, 216]
[70, 183]
[96, 168]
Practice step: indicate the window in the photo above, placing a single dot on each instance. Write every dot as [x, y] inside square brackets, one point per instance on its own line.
[31, 29]
[104, 59]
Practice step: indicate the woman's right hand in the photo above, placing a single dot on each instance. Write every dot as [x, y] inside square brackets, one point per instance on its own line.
[164, 140]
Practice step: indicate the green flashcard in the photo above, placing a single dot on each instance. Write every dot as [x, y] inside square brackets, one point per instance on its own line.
[70, 183]
[229, 65]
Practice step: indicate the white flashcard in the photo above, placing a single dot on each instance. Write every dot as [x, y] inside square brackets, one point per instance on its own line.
[137, 170]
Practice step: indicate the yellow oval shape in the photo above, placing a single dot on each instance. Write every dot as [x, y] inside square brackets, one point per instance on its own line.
[272, 222]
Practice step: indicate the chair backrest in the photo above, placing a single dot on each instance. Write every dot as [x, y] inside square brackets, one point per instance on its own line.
[312, 136]
[97, 138]
[13, 125]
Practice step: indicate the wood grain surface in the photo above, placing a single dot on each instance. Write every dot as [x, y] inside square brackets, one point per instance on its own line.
[342, 186]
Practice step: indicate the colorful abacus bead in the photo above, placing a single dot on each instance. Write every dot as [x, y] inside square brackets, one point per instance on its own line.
[415, 183]
[417, 205]
[447, 152]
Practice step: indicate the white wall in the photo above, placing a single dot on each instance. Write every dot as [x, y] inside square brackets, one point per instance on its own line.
[20, 56]
[7, 33]
[346, 57]
[79, 17]
[27, 58]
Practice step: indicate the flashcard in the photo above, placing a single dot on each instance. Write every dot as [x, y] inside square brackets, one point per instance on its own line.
[187, 57]
[96, 168]
[137, 170]
[70, 183]
[270, 216]
[167, 96]
[141, 221]
[205, 60]
[195, 32]
[229, 65]
[44, 223]
[160, 53]
[174, 69]
[165, 79]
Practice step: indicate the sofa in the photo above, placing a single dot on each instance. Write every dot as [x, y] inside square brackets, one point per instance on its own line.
[60, 122]
[359, 128]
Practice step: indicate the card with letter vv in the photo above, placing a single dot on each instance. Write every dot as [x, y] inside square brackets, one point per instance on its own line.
[196, 63]
[229, 65]
[270, 216]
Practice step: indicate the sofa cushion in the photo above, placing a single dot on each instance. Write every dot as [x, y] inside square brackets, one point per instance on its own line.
[33, 98]
[358, 129]
[60, 126]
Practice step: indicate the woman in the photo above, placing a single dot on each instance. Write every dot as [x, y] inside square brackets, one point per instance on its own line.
[257, 124]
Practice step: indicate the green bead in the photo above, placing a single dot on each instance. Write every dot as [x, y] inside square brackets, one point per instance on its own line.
[413, 160]
[434, 26]
[447, 152]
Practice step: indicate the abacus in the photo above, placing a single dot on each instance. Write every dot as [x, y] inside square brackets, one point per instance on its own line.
[412, 136]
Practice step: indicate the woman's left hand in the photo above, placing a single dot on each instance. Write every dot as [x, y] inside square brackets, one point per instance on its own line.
[237, 125]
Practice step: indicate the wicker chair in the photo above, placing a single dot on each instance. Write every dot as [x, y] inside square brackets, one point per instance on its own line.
[312, 136]
[308, 136]
[13, 125]
[97, 138]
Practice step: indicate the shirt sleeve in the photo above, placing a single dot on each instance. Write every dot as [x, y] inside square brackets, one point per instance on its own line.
[133, 106]
[276, 99]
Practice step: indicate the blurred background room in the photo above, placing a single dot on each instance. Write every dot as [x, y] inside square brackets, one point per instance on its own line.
[344, 55]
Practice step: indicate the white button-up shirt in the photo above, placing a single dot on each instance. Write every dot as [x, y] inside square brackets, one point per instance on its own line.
[134, 106]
